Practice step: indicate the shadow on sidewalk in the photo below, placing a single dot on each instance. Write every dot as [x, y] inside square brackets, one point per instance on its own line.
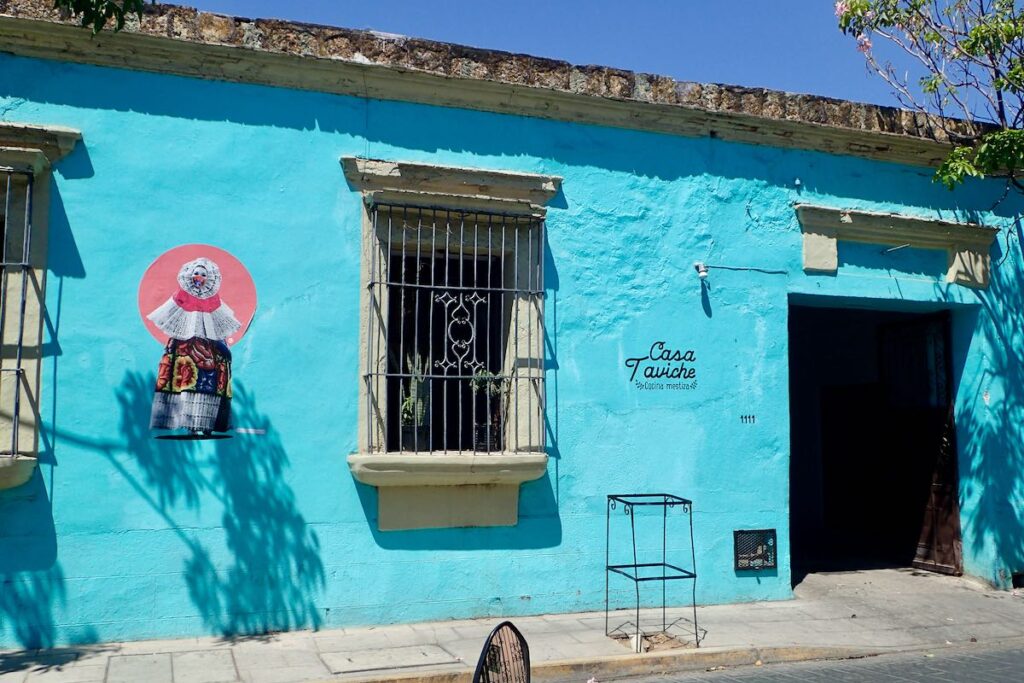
[47, 660]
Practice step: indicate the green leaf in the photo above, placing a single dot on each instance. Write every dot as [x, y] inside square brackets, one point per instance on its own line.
[96, 13]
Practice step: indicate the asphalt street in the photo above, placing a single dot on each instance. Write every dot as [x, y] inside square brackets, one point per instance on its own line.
[974, 665]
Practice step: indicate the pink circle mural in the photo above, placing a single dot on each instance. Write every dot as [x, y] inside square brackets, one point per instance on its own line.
[161, 284]
[196, 300]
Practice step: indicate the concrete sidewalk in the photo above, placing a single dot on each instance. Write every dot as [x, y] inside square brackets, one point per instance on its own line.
[835, 615]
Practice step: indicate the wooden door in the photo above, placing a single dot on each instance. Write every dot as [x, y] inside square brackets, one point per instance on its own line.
[921, 439]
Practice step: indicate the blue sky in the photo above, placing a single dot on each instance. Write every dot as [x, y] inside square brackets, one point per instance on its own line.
[789, 45]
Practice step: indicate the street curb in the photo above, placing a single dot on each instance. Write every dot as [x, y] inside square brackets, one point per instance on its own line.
[652, 664]
[632, 665]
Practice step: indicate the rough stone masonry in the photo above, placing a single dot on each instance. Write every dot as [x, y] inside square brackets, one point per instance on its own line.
[458, 61]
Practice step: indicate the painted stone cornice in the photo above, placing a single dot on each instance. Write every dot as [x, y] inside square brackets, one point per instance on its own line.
[967, 245]
[183, 41]
[36, 146]
[401, 182]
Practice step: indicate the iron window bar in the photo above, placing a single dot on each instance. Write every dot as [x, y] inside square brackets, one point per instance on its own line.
[454, 331]
[11, 187]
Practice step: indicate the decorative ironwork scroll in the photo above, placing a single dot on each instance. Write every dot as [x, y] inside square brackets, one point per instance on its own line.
[461, 332]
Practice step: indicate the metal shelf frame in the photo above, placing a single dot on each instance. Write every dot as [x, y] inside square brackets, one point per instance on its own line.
[640, 572]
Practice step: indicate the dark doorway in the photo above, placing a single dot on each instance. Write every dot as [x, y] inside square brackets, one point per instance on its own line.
[873, 477]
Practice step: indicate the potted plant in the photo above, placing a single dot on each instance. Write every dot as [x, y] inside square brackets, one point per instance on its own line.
[487, 432]
[415, 406]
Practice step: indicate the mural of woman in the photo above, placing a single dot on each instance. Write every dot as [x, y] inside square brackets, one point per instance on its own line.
[193, 385]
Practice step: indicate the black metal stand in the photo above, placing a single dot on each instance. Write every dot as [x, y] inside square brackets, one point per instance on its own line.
[649, 571]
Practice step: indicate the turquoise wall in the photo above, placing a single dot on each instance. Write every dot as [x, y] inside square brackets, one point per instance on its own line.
[122, 537]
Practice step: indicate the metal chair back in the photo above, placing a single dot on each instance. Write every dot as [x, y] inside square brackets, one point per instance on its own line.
[505, 657]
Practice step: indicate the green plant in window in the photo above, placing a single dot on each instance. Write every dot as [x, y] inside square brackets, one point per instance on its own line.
[488, 382]
[414, 409]
[416, 398]
[487, 434]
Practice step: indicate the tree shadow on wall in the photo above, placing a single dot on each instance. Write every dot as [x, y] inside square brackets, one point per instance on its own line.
[32, 582]
[269, 576]
[27, 601]
[990, 419]
[31, 579]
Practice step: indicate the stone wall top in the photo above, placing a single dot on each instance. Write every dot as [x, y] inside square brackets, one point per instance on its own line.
[472, 79]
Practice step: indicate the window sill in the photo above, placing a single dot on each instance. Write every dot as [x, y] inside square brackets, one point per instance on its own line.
[432, 469]
[429, 490]
[15, 471]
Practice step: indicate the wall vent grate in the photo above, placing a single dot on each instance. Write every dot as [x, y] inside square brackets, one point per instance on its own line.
[755, 549]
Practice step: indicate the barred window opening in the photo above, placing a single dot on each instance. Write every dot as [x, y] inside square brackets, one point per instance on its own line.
[15, 277]
[455, 331]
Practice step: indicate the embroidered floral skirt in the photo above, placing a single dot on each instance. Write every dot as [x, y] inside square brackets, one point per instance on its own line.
[193, 386]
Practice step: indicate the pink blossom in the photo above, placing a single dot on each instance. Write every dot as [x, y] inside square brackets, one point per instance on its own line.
[863, 43]
[842, 8]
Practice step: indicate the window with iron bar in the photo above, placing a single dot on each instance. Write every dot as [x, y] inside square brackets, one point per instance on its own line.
[454, 331]
[19, 287]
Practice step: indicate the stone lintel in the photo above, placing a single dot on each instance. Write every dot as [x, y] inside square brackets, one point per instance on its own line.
[24, 159]
[466, 205]
[404, 183]
[404, 176]
[967, 245]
